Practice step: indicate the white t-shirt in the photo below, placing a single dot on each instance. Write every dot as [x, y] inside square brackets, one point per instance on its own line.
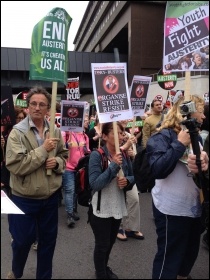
[177, 194]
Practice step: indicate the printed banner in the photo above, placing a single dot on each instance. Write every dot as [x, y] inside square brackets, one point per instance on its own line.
[57, 119]
[166, 80]
[7, 106]
[72, 89]
[21, 99]
[137, 124]
[111, 92]
[186, 36]
[49, 48]
[139, 90]
[72, 115]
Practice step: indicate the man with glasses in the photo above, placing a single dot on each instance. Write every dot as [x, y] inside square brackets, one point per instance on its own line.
[33, 191]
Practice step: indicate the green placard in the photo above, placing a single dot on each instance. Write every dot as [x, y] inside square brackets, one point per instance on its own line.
[49, 48]
[166, 78]
[137, 123]
[21, 103]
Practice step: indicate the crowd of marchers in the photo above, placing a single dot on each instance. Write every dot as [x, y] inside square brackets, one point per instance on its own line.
[38, 172]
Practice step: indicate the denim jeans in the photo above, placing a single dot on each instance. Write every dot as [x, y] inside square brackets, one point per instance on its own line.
[178, 241]
[105, 231]
[68, 184]
[41, 214]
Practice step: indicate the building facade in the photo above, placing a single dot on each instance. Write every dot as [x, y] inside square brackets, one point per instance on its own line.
[133, 28]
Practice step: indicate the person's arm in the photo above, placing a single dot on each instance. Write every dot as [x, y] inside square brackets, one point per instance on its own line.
[146, 133]
[97, 178]
[24, 158]
[138, 135]
[131, 140]
[164, 150]
[128, 171]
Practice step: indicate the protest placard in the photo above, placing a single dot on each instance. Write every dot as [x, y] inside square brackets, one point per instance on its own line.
[111, 91]
[72, 115]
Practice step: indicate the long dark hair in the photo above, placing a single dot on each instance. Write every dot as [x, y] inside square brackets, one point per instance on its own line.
[107, 127]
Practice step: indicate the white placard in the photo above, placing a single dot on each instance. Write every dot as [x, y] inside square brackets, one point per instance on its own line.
[7, 206]
[72, 115]
[139, 90]
[111, 91]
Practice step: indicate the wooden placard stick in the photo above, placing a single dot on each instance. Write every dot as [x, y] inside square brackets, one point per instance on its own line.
[187, 86]
[52, 118]
[99, 141]
[132, 133]
[117, 148]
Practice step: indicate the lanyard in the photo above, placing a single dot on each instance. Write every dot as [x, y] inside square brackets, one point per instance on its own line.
[75, 137]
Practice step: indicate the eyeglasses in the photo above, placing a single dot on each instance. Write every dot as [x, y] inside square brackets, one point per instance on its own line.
[41, 105]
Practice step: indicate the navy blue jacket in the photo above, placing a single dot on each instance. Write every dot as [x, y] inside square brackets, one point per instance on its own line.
[163, 152]
[99, 179]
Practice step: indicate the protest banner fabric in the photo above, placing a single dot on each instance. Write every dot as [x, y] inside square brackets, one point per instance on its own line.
[186, 36]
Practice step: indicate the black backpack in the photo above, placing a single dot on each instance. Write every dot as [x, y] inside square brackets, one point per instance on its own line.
[142, 172]
[82, 186]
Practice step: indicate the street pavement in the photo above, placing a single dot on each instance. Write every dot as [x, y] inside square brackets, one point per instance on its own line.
[73, 258]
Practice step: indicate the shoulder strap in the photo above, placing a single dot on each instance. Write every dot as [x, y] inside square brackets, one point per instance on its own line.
[85, 136]
[104, 166]
[103, 158]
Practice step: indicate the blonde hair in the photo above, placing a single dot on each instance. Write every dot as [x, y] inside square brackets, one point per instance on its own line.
[174, 118]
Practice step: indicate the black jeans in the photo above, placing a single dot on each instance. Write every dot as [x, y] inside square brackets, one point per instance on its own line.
[105, 231]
